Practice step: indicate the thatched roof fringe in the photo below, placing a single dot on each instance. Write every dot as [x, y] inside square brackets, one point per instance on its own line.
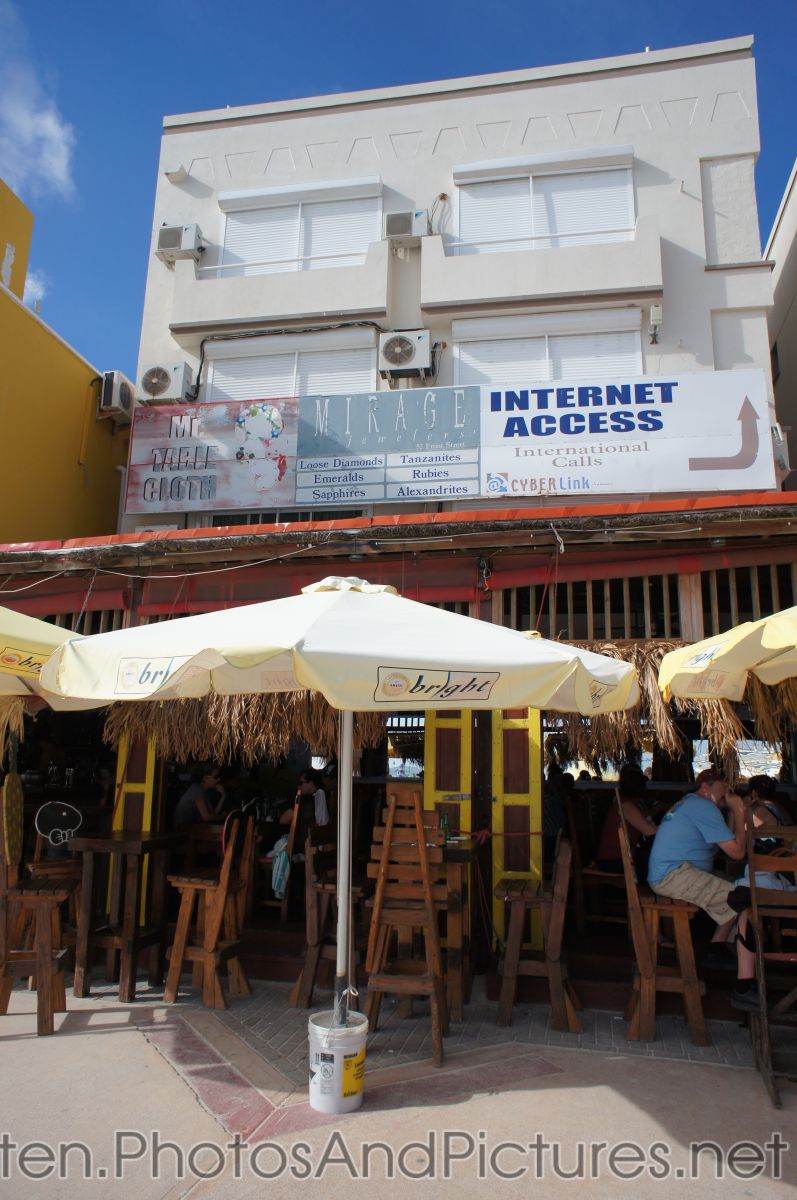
[249, 728]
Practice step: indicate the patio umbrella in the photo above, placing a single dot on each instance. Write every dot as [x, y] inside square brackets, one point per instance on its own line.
[364, 647]
[719, 667]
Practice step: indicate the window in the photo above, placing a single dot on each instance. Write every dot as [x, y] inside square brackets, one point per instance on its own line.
[540, 211]
[274, 516]
[292, 365]
[502, 352]
[301, 236]
[774, 359]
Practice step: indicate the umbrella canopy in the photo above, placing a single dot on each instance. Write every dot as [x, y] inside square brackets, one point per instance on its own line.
[364, 647]
[25, 646]
[720, 666]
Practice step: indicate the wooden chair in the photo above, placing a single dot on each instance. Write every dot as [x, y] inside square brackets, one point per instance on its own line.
[42, 898]
[525, 896]
[320, 890]
[773, 912]
[589, 881]
[407, 867]
[209, 950]
[67, 871]
[645, 911]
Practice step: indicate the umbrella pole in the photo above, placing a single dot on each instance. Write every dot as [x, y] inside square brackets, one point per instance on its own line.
[345, 757]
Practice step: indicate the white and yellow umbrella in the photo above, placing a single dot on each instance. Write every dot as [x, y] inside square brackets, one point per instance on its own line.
[718, 667]
[364, 647]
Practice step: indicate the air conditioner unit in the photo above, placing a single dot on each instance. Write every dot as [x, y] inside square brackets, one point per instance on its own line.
[165, 383]
[179, 241]
[117, 397]
[406, 353]
[407, 228]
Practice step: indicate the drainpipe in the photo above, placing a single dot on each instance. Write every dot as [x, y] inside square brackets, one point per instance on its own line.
[122, 490]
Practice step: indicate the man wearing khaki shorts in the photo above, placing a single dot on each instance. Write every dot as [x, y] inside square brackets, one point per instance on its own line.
[683, 852]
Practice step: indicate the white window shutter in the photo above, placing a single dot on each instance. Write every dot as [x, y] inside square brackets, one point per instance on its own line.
[336, 372]
[515, 361]
[582, 208]
[494, 217]
[258, 377]
[261, 241]
[596, 355]
[337, 233]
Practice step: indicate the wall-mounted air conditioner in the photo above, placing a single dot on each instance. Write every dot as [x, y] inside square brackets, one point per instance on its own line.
[179, 241]
[165, 383]
[406, 353]
[117, 397]
[406, 228]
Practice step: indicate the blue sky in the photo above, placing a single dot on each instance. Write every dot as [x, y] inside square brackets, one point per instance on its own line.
[84, 86]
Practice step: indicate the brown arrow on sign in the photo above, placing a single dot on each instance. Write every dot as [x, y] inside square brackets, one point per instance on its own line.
[748, 452]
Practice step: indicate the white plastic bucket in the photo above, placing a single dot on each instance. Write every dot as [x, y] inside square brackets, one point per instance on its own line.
[337, 1062]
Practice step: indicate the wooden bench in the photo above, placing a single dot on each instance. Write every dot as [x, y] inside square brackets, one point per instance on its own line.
[526, 896]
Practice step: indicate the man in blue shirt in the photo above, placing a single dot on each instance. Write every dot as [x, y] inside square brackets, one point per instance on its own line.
[686, 841]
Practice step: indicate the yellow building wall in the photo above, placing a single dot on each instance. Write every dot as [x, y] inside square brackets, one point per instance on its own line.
[58, 477]
[16, 228]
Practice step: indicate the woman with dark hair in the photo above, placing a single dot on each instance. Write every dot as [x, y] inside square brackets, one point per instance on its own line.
[630, 791]
[203, 800]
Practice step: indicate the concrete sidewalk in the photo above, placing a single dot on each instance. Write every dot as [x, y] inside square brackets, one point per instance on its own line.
[189, 1075]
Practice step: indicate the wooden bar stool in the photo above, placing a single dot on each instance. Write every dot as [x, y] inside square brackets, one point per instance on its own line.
[320, 891]
[410, 883]
[773, 913]
[40, 899]
[524, 896]
[208, 949]
[645, 910]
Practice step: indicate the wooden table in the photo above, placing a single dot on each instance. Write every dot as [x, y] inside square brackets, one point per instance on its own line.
[122, 934]
[457, 856]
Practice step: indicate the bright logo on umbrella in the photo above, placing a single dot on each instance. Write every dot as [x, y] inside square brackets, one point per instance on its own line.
[144, 675]
[20, 663]
[437, 685]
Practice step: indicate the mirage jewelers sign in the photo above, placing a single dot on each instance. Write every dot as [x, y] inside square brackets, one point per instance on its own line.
[704, 432]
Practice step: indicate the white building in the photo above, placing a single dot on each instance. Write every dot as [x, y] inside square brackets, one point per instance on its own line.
[590, 222]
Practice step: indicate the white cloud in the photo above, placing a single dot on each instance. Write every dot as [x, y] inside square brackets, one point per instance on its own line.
[37, 285]
[36, 142]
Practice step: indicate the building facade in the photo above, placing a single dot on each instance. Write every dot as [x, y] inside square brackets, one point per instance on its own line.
[499, 341]
[63, 460]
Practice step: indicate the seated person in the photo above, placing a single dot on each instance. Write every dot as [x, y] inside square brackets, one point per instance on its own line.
[310, 786]
[763, 811]
[630, 791]
[761, 796]
[682, 855]
[554, 813]
[202, 800]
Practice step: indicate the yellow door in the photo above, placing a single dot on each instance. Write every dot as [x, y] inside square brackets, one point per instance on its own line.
[447, 767]
[517, 802]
